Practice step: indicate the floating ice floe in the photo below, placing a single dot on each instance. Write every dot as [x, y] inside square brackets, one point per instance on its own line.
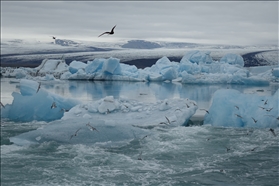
[195, 67]
[100, 121]
[34, 103]
[112, 121]
[230, 108]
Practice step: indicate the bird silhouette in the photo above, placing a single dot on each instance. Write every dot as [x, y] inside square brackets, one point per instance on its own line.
[272, 131]
[265, 102]
[238, 116]
[255, 121]
[205, 111]
[111, 32]
[91, 128]
[168, 119]
[2, 105]
[75, 134]
[268, 110]
[53, 105]
[228, 149]
[38, 87]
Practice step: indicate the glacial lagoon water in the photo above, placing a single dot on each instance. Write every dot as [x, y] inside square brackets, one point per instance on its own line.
[195, 155]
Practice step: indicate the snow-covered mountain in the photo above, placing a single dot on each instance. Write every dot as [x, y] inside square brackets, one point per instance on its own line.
[141, 44]
[66, 42]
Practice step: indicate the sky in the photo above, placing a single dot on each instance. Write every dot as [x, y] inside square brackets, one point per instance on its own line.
[207, 22]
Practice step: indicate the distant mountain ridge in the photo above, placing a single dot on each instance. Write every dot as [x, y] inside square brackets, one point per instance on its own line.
[65, 42]
[141, 44]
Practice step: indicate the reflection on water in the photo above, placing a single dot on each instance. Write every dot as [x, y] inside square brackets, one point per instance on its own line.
[141, 91]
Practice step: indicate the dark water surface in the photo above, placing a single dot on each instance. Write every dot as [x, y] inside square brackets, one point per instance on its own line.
[197, 155]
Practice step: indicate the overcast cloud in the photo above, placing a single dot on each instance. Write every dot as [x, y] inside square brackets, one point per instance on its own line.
[240, 23]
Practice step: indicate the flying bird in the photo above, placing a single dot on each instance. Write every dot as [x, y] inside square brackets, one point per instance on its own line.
[168, 119]
[111, 32]
[205, 110]
[144, 137]
[53, 105]
[163, 123]
[91, 128]
[238, 116]
[75, 134]
[142, 94]
[272, 131]
[2, 105]
[39, 87]
[53, 37]
[265, 102]
[255, 121]
[228, 149]
[268, 110]
[126, 106]
[194, 104]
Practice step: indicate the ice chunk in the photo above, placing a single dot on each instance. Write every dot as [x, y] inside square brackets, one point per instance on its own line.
[169, 73]
[233, 77]
[31, 104]
[232, 59]
[81, 131]
[94, 66]
[75, 66]
[126, 120]
[19, 73]
[129, 70]
[51, 66]
[163, 70]
[163, 62]
[198, 57]
[108, 105]
[230, 108]
[111, 66]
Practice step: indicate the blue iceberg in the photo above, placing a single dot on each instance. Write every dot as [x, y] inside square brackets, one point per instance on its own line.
[230, 108]
[195, 67]
[33, 104]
